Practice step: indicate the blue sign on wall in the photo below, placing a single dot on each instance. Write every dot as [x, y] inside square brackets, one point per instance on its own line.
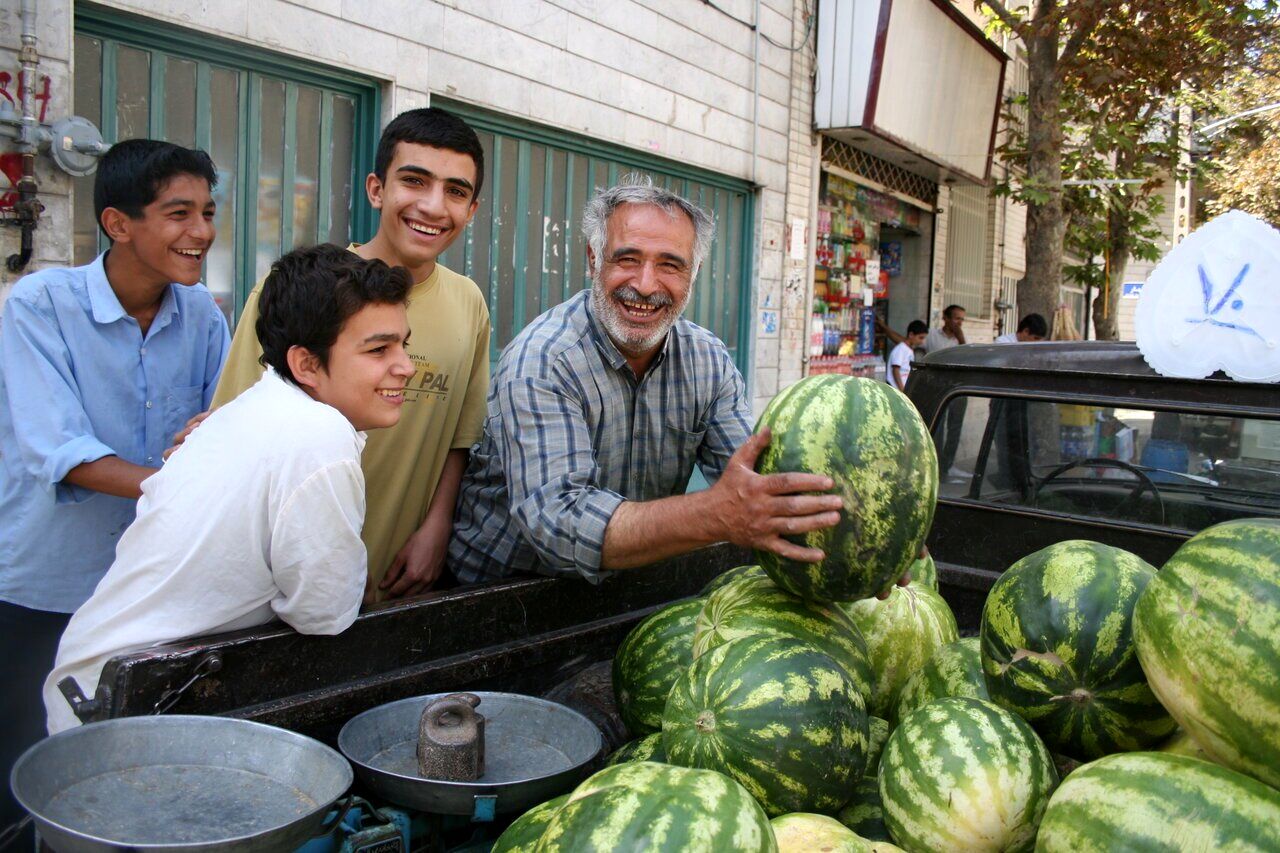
[1131, 289]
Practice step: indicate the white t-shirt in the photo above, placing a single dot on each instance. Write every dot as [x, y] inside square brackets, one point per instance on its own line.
[1008, 338]
[938, 340]
[900, 357]
[256, 516]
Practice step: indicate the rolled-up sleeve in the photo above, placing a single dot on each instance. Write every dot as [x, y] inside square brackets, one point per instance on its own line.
[317, 559]
[552, 477]
[728, 425]
[52, 431]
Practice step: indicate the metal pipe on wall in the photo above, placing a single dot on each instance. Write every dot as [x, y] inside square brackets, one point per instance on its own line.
[27, 208]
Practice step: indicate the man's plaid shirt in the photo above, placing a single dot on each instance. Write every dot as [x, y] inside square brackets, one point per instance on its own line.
[571, 433]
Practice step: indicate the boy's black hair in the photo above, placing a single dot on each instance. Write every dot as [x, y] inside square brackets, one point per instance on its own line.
[917, 327]
[951, 309]
[430, 126]
[310, 294]
[132, 172]
[1034, 324]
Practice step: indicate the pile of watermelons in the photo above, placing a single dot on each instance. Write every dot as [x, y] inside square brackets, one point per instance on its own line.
[1104, 706]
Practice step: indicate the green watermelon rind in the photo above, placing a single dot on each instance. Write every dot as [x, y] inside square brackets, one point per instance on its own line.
[965, 774]
[1208, 636]
[642, 805]
[952, 670]
[901, 633]
[871, 441]
[1057, 648]
[1160, 801]
[730, 575]
[775, 714]
[523, 833]
[864, 813]
[647, 748]
[649, 660]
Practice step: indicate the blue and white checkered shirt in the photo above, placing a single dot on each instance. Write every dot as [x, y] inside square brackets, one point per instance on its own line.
[571, 433]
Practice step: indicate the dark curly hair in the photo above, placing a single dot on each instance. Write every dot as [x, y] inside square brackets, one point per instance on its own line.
[310, 294]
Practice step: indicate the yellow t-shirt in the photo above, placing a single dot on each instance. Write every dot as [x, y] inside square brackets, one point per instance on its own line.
[444, 405]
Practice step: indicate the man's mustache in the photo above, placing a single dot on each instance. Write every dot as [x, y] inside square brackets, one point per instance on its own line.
[653, 300]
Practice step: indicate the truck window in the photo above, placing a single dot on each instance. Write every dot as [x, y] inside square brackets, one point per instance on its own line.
[1178, 470]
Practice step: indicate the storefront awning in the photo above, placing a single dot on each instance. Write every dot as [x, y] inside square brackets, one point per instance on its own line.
[911, 81]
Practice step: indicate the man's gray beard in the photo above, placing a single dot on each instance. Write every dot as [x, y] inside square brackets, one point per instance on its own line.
[609, 314]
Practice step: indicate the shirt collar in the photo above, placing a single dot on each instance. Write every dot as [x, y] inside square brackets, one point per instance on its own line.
[612, 355]
[106, 305]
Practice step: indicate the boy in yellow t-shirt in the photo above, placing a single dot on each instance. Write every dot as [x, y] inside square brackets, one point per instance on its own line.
[426, 181]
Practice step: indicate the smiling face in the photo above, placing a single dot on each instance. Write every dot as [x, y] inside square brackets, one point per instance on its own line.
[426, 199]
[169, 241]
[368, 367]
[642, 283]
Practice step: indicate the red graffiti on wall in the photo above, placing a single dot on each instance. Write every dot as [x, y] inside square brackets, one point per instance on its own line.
[11, 163]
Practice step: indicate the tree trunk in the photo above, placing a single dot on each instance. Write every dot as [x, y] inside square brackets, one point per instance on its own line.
[1046, 224]
[1106, 304]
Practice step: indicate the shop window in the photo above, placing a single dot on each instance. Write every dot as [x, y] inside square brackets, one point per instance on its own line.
[1165, 469]
[292, 141]
[968, 271]
[526, 248]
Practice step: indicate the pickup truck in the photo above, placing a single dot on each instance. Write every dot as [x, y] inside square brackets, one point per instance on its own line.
[1056, 441]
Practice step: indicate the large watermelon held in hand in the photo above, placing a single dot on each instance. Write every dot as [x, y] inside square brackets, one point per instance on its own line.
[1058, 649]
[756, 607]
[901, 632]
[869, 439]
[649, 661]
[953, 670]
[523, 833]
[964, 774]
[1152, 801]
[775, 714]
[641, 805]
[1208, 635]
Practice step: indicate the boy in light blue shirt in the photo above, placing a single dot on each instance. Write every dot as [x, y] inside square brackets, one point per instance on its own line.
[100, 366]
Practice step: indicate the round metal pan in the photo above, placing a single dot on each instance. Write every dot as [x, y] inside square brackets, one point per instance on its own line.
[534, 750]
[178, 783]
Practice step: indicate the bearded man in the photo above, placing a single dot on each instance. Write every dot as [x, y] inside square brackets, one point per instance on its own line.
[601, 407]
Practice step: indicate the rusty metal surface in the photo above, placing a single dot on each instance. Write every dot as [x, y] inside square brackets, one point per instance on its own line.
[520, 636]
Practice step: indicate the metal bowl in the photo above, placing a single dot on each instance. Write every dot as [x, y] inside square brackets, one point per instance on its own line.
[178, 783]
[534, 750]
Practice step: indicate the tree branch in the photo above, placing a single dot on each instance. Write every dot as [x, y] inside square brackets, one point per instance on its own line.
[1006, 17]
[1077, 40]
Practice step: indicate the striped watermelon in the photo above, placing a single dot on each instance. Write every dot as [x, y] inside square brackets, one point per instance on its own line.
[925, 572]
[1182, 743]
[649, 661]
[523, 833]
[864, 813]
[953, 670]
[775, 714]
[641, 805]
[1208, 635]
[1151, 801]
[1057, 648]
[902, 632]
[870, 440]
[806, 833]
[965, 774]
[877, 735]
[729, 575]
[647, 748]
[755, 607]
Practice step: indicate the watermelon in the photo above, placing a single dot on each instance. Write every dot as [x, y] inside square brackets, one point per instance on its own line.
[1057, 648]
[754, 607]
[925, 572]
[775, 714]
[649, 661]
[523, 833]
[1152, 801]
[729, 575]
[641, 805]
[877, 734]
[1182, 743]
[965, 774]
[953, 670]
[902, 632]
[647, 748]
[869, 439]
[1208, 634]
[864, 813]
[806, 833]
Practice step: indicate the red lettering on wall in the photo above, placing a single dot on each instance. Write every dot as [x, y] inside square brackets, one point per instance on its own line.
[43, 95]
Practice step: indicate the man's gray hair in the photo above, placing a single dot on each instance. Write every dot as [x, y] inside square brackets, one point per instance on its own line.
[636, 188]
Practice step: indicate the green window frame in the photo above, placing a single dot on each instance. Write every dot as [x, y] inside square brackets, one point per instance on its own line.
[525, 246]
[111, 44]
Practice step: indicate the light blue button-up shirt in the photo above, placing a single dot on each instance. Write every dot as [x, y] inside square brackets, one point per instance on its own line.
[78, 381]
